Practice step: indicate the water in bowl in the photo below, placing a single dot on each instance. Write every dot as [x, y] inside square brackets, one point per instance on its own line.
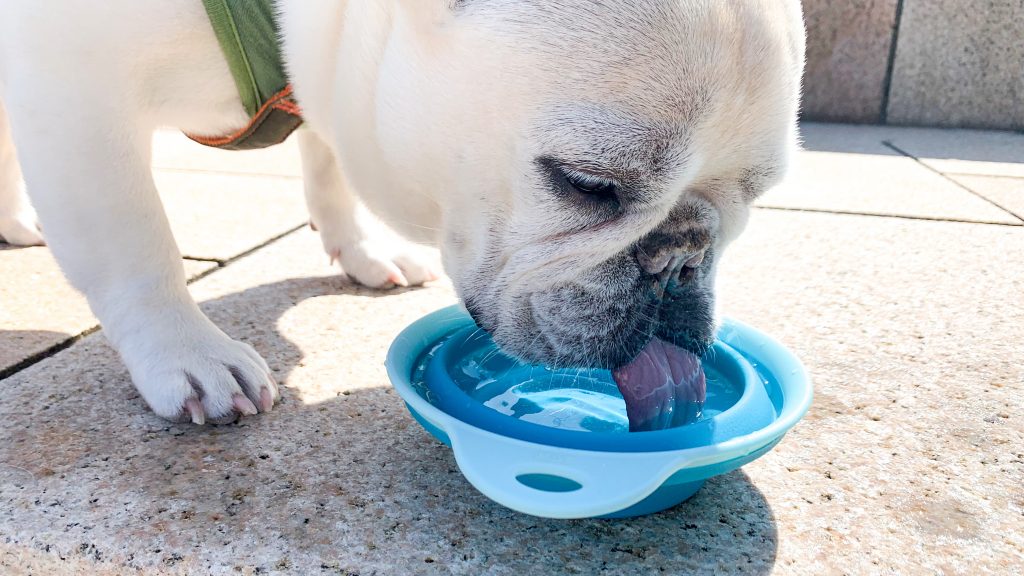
[568, 399]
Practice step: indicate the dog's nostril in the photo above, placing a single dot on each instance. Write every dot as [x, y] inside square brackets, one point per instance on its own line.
[696, 260]
[656, 265]
[667, 260]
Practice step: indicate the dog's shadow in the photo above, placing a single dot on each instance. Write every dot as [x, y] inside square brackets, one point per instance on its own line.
[345, 480]
[385, 459]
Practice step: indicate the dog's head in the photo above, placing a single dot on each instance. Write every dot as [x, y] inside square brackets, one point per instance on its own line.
[599, 157]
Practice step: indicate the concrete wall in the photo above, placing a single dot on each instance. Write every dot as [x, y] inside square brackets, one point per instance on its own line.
[957, 63]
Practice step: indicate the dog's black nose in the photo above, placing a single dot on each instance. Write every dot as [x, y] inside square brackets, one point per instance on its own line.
[674, 252]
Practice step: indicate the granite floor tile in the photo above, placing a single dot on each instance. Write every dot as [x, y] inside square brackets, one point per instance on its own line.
[1006, 192]
[872, 170]
[877, 180]
[38, 308]
[213, 216]
[909, 461]
[219, 216]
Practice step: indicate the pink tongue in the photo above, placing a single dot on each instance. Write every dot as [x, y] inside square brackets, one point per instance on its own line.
[663, 387]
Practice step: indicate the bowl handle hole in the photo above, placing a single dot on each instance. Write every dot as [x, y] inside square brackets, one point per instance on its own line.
[548, 483]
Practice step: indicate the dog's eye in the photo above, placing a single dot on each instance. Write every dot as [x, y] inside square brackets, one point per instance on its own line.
[590, 186]
[581, 187]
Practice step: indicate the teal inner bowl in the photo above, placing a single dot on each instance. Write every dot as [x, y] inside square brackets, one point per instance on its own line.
[468, 377]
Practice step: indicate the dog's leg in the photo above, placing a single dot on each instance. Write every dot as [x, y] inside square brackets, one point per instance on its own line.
[18, 223]
[86, 160]
[368, 251]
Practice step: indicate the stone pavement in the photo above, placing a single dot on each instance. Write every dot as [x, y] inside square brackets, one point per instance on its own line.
[892, 263]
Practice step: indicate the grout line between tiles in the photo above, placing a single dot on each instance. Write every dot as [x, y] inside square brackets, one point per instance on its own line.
[892, 146]
[895, 216]
[217, 261]
[225, 263]
[44, 354]
[71, 340]
[890, 68]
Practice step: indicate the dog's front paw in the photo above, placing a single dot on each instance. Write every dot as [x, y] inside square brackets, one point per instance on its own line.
[200, 375]
[19, 225]
[382, 265]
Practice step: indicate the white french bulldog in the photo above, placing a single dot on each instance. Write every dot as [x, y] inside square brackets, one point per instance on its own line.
[582, 164]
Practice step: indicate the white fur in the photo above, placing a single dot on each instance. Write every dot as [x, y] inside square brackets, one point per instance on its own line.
[428, 112]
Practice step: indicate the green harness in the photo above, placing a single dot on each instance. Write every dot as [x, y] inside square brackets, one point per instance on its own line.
[249, 37]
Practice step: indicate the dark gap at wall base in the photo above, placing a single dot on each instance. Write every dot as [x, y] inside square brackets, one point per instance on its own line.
[893, 45]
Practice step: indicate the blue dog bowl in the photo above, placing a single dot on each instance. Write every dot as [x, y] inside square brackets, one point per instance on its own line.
[555, 443]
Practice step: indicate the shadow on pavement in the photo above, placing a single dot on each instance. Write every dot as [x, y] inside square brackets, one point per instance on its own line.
[922, 143]
[19, 348]
[349, 485]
